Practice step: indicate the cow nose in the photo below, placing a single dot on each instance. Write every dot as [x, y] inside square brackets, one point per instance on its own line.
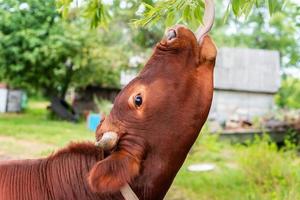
[171, 34]
[108, 141]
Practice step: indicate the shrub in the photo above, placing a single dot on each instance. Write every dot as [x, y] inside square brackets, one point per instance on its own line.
[271, 173]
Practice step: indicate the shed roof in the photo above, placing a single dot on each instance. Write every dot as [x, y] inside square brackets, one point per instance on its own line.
[253, 70]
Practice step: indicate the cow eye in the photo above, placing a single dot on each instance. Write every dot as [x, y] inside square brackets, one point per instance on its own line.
[138, 100]
[171, 34]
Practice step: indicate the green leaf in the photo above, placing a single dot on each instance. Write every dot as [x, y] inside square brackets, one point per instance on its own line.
[186, 13]
[227, 13]
[274, 6]
[236, 7]
[248, 8]
[170, 19]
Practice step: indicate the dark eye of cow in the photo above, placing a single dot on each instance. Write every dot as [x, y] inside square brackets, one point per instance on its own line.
[138, 100]
[171, 34]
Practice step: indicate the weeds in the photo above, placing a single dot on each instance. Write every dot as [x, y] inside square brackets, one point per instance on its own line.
[257, 170]
[270, 172]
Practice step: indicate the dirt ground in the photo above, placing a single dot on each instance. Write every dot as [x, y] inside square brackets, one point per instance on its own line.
[12, 148]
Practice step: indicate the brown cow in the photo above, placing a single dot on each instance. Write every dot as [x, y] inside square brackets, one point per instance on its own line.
[157, 117]
[155, 120]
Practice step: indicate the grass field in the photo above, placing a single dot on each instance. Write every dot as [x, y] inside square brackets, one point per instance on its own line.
[257, 171]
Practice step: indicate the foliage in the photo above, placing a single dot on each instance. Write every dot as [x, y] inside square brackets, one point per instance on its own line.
[94, 10]
[280, 32]
[244, 7]
[190, 12]
[22, 39]
[34, 49]
[100, 63]
[271, 173]
[289, 94]
[171, 11]
[257, 170]
[41, 53]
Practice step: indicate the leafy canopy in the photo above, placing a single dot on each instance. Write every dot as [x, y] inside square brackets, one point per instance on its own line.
[44, 54]
[171, 11]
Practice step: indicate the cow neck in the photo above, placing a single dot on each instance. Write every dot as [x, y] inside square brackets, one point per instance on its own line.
[158, 173]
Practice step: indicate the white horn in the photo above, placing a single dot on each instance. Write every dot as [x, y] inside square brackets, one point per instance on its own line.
[208, 20]
[108, 141]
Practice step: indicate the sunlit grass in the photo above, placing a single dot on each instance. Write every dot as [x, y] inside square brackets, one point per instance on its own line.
[34, 124]
[256, 171]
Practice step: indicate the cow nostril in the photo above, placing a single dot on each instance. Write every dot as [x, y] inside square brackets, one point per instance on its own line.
[171, 34]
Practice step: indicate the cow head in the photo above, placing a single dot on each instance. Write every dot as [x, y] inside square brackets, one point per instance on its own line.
[158, 115]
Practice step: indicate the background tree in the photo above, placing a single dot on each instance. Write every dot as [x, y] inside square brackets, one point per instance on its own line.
[35, 51]
[280, 31]
[289, 94]
[43, 54]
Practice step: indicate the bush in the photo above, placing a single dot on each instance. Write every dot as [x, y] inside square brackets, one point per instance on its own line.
[289, 93]
[271, 173]
[257, 170]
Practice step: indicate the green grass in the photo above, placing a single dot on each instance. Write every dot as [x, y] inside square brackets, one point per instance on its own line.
[256, 171]
[35, 125]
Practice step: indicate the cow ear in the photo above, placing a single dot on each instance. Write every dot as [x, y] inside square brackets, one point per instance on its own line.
[208, 50]
[112, 173]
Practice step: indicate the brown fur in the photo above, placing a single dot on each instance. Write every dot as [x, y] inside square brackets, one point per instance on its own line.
[177, 86]
[62, 175]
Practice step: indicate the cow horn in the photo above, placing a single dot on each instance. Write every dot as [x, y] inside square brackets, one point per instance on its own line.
[208, 20]
[108, 141]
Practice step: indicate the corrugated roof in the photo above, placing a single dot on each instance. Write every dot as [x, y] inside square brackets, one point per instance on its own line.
[253, 70]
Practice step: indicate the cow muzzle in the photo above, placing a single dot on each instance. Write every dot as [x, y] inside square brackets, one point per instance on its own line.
[108, 141]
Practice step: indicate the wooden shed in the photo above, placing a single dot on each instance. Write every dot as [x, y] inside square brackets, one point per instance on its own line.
[246, 81]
